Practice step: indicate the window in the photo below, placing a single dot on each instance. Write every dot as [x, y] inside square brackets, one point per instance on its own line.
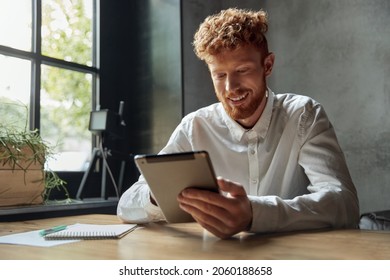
[49, 70]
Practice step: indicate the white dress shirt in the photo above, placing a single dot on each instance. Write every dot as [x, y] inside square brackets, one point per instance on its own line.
[290, 164]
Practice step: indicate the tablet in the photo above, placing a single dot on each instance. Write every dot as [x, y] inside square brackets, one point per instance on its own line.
[168, 174]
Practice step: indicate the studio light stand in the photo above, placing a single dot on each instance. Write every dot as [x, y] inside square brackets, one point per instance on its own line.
[105, 123]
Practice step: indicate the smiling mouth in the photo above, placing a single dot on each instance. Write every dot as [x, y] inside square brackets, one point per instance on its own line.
[238, 98]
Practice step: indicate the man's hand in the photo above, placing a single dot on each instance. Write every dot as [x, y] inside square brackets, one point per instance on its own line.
[222, 215]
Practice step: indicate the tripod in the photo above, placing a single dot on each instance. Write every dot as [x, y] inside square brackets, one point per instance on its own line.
[105, 122]
[102, 153]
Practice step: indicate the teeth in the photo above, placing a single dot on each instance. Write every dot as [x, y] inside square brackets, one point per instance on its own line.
[238, 98]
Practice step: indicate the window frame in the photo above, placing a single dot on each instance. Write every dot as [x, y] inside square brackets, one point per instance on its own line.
[37, 59]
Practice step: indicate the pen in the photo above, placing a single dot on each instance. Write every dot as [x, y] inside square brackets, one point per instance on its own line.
[51, 230]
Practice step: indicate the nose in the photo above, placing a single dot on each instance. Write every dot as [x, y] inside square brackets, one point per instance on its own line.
[232, 83]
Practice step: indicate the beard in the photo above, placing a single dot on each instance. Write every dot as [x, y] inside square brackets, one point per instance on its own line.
[245, 110]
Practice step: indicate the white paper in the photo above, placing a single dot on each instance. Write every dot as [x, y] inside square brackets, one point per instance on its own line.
[32, 238]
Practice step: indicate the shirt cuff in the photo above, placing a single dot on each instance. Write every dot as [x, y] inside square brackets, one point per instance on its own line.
[264, 216]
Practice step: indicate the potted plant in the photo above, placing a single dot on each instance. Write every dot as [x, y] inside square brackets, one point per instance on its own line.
[23, 178]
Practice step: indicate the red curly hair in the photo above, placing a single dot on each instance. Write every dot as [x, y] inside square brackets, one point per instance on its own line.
[230, 29]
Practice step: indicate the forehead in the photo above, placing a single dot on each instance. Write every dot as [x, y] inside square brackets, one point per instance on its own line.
[242, 55]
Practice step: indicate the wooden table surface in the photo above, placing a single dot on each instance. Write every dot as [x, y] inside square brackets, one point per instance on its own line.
[189, 241]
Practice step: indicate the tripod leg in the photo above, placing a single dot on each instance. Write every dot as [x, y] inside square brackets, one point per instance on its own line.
[121, 176]
[104, 180]
[87, 173]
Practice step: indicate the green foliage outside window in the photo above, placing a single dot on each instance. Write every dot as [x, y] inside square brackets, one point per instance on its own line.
[66, 34]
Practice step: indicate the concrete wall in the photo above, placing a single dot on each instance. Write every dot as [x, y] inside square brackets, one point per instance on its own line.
[336, 51]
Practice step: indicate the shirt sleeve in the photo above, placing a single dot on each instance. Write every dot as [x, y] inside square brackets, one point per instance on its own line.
[331, 200]
[135, 206]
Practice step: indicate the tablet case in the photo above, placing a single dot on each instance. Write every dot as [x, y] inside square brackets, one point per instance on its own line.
[168, 174]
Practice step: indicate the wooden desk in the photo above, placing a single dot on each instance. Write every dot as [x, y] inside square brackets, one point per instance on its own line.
[190, 241]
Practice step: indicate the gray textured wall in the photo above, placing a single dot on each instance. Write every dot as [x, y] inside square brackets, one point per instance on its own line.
[156, 94]
[336, 51]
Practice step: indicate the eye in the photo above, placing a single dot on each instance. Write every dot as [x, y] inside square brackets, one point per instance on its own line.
[243, 70]
[219, 76]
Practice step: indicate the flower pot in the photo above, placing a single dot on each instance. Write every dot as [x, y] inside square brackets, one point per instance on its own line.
[21, 181]
[20, 187]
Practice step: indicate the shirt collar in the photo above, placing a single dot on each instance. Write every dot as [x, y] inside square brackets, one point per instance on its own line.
[261, 126]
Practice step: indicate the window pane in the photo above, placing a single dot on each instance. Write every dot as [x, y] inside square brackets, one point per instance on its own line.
[67, 30]
[14, 91]
[15, 24]
[65, 108]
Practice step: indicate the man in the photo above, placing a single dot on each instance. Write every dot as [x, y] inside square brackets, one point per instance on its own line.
[279, 164]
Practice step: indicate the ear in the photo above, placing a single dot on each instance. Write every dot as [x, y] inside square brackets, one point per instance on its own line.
[268, 64]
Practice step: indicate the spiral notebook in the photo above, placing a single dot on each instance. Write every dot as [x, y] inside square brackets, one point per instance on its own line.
[89, 231]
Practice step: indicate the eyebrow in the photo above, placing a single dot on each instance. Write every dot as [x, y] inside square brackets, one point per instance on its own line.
[242, 63]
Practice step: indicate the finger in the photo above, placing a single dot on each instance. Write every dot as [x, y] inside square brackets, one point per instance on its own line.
[225, 219]
[233, 188]
[212, 229]
[210, 223]
[204, 210]
[221, 207]
[203, 196]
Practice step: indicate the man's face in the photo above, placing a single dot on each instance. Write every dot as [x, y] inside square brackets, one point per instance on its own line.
[239, 79]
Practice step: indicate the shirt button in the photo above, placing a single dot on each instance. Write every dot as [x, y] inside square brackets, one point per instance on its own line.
[254, 181]
[252, 152]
